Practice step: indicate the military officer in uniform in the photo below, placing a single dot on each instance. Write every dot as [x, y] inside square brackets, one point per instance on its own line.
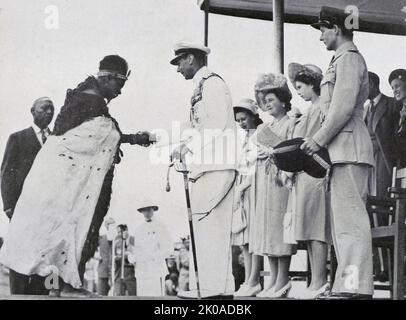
[344, 90]
[212, 171]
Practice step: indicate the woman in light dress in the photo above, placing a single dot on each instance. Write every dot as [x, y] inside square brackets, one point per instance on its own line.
[246, 115]
[271, 194]
[310, 207]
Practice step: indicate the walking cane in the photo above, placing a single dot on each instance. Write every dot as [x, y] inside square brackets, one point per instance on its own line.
[113, 262]
[184, 171]
[122, 264]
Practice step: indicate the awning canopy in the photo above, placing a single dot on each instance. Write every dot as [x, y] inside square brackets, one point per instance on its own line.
[377, 16]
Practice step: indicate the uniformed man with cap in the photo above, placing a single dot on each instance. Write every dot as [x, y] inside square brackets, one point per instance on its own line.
[152, 244]
[344, 90]
[397, 81]
[212, 170]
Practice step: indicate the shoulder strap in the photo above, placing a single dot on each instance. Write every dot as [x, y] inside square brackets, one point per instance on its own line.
[201, 83]
[335, 58]
[213, 75]
[198, 93]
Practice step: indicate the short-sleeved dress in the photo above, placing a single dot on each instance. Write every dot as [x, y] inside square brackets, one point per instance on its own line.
[311, 208]
[271, 198]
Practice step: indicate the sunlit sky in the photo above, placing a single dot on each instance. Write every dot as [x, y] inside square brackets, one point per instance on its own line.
[36, 61]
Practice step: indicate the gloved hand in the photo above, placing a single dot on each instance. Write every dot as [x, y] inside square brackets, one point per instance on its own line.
[179, 153]
[142, 138]
[9, 212]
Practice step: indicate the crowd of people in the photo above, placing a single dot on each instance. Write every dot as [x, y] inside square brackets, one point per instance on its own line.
[139, 277]
[253, 203]
[365, 142]
[363, 132]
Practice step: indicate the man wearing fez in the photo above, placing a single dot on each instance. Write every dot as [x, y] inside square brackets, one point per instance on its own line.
[344, 90]
[211, 188]
[67, 193]
[21, 150]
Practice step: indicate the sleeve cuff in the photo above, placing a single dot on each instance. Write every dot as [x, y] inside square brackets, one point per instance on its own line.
[318, 140]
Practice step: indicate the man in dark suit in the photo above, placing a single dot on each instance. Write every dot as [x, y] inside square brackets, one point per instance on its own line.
[21, 150]
[381, 118]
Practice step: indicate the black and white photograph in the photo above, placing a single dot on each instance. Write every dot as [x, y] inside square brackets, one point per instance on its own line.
[210, 151]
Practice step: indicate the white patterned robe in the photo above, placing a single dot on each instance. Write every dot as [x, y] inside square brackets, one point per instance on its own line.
[53, 214]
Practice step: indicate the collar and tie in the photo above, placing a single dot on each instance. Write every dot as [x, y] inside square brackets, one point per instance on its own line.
[370, 113]
[43, 135]
[402, 121]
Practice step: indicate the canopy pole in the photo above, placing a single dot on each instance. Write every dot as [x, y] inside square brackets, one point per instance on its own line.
[278, 20]
[206, 25]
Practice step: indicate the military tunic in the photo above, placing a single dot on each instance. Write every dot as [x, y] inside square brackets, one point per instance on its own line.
[344, 90]
[213, 171]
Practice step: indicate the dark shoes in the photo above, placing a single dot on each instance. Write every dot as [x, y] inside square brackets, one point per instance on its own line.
[343, 296]
[381, 277]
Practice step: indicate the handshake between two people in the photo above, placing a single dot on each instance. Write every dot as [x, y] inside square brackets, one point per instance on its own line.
[142, 138]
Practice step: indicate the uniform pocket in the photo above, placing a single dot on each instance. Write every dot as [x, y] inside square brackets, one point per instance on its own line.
[349, 127]
[327, 87]
[329, 76]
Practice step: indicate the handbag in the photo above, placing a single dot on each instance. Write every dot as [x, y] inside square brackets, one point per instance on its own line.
[239, 219]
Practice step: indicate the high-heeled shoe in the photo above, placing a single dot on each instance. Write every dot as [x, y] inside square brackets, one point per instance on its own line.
[265, 292]
[281, 293]
[250, 291]
[312, 294]
[301, 295]
[240, 291]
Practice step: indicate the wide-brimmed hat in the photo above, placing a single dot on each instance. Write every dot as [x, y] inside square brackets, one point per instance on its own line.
[318, 164]
[309, 70]
[183, 48]
[109, 220]
[289, 157]
[147, 203]
[246, 105]
[272, 81]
